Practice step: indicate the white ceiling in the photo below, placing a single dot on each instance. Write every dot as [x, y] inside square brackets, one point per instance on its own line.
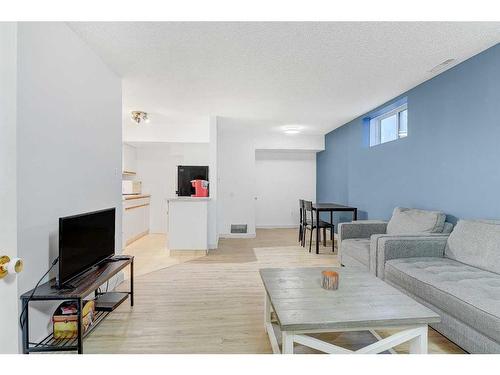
[319, 75]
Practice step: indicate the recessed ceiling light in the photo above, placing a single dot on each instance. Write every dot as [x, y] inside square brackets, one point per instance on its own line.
[441, 66]
[292, 129]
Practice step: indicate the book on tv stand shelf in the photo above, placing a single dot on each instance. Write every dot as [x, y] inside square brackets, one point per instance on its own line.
[109, 301]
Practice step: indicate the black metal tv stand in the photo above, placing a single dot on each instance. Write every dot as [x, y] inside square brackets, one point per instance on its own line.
[86, 286]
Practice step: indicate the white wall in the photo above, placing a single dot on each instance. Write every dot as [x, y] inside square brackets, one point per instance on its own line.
[294, 142]
[281, 178]
[8, 193]
[237, 190]
[69, 144]
[129, 158]
[236, 171]
[157, 169]
[172, 127]
[213, 235]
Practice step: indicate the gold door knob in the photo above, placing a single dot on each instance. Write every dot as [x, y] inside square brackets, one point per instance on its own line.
[8, 265]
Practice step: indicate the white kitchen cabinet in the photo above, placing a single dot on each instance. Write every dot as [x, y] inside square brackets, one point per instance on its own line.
[188, 224]
[135, 219]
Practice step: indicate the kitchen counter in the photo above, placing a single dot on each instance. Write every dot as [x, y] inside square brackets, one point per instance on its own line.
[188, 224]
[127, 197]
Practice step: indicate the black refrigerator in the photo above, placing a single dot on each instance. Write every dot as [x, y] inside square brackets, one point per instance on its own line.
[186, 173]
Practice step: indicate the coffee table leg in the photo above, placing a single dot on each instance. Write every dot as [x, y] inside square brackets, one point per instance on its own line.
[286, 342]
[418, 345]
[269, 326]
[267, 311]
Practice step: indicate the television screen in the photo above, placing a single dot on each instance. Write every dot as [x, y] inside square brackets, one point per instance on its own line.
[186, 173]
[84, 241]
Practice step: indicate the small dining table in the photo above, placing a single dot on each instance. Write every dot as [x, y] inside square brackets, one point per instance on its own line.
[331, 208]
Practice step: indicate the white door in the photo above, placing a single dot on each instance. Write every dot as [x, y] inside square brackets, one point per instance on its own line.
[8, 196]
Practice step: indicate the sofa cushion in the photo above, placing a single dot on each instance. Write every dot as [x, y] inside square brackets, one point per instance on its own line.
[476, 242]
[467, 293]
[411, 221]
[357, 248]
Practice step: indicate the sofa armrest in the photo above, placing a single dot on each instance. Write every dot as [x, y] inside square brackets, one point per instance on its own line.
[448, 228]
[384, 248]
[361, 229]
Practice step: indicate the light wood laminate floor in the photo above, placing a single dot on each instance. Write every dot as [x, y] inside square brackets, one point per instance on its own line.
[215, 304]
[151, 254]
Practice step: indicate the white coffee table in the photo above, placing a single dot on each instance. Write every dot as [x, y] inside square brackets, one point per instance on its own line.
[361, 303]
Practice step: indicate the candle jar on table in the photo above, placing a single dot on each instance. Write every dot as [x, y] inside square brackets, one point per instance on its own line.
[330, 280]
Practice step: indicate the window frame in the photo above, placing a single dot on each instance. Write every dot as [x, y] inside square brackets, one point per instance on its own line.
[376, 123]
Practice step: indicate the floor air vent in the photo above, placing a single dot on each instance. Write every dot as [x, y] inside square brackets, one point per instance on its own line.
[238, 228]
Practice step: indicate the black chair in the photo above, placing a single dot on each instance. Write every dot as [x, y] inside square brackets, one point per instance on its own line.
[301, 222]
[310, 223]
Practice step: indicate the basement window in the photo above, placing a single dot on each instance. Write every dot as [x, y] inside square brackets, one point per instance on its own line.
[389, 126]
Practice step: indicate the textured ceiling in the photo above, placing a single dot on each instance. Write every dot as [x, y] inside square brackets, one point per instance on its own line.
[319, 75]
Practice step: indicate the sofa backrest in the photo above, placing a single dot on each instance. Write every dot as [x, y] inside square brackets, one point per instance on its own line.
[413, 221]
[477, 243]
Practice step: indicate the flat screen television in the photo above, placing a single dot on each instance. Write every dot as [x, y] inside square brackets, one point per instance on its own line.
[84, 241]
[186, 173]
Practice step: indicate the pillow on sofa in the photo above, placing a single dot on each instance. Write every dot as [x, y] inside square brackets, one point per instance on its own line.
[476, 243]
[411, 221]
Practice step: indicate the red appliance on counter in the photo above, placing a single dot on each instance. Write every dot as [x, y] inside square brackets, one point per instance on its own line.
[200, 187]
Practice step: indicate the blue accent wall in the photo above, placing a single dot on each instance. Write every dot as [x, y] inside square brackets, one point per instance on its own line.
[450, 160]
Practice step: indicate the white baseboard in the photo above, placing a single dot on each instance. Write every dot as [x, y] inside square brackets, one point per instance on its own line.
[278, 226]
[213, 246]
[237, 235]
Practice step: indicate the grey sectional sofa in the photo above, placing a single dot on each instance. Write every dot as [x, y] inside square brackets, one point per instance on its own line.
[458, 277]
[358, 240]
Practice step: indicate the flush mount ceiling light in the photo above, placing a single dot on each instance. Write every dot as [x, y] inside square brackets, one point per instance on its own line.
[292, 129]
[441, 66]
[139, 117]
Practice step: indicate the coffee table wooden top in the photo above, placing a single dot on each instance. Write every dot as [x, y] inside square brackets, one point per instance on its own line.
[361, 301]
